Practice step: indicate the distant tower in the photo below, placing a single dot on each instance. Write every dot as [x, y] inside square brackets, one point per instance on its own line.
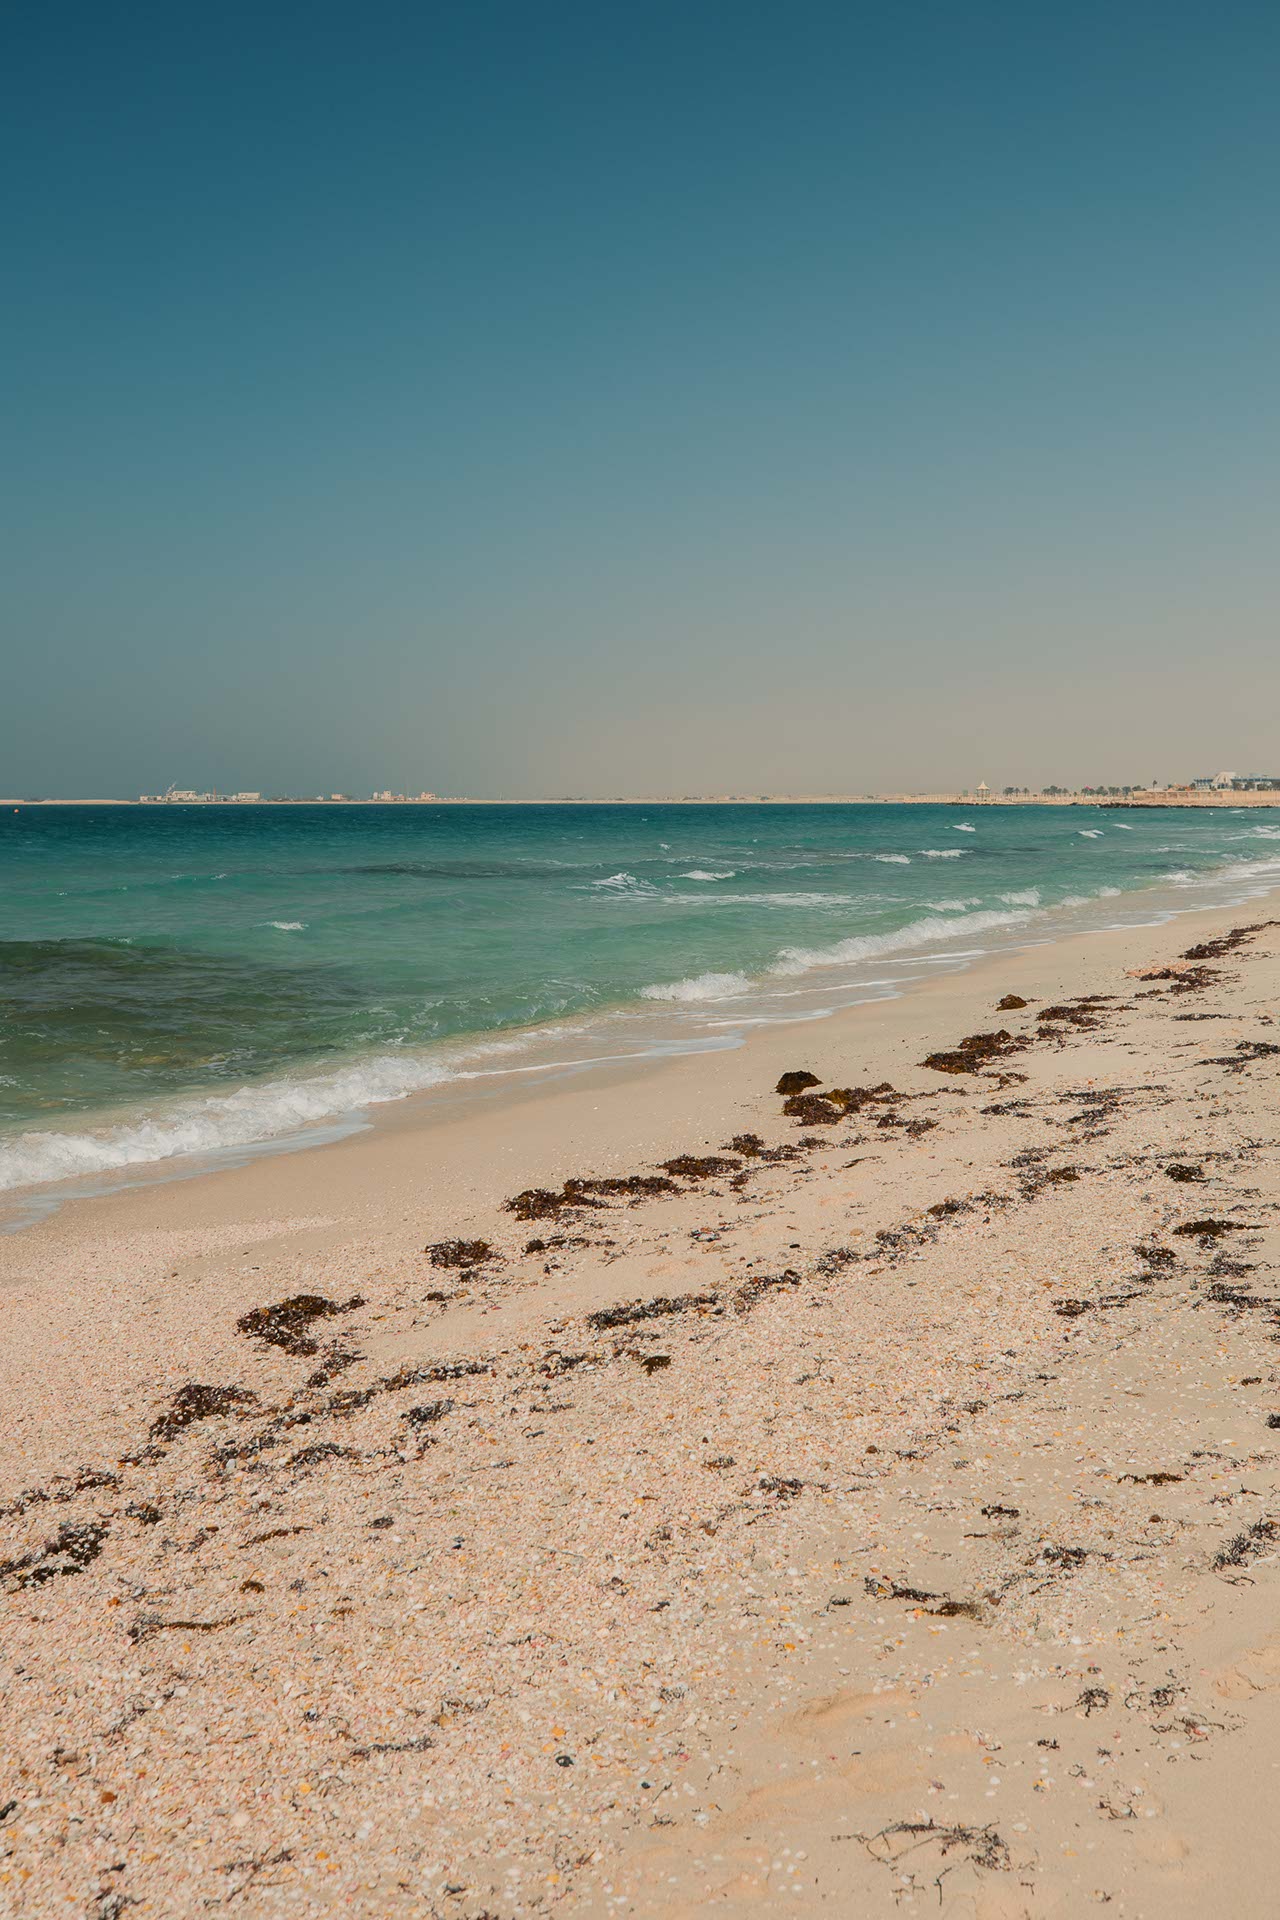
[983, 790]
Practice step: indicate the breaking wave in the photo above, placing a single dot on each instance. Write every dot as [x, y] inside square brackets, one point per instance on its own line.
[624, 883]
[217, 1122]
[703, 901]
[702, 986]
[867, 946]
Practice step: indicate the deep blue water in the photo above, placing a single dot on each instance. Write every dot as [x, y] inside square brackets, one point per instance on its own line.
[183, 978]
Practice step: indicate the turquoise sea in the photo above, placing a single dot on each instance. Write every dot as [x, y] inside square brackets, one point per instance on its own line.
[198, 980]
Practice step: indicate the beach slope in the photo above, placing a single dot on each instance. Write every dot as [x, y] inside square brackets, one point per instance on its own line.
[675, 1495]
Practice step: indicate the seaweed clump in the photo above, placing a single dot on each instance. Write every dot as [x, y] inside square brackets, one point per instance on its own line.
[811, 1110]
[428, 1415]
[824, 1109]
[913, 1128]
[946, 1209]
[459, 1253]
[1246, 1052]
[288, 1323]
[797, 1082]
[760, 1286]
[854, 1099]
[1071, 1013]
[752, 1147]
[322, 1450]
[939, 1604]
[656, 1309]
[1226, 942]
[631, 1186]
[1246, 1546]
[541, 1203]
[545, 1203]
[972, 1054]
[193, 1403]
[699, 1167]
[71, 1550]
[1186, 979]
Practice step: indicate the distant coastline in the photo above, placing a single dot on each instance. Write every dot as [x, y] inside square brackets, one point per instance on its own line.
[1174, 797]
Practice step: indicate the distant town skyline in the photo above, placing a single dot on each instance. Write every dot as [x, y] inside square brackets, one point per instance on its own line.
[1219, 786]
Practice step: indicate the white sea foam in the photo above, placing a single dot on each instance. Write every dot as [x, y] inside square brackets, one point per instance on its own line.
[1120, 827]
[942, 853]
[774, 899]
[624, 883]
[702, 986]
[917, 933]
[287, 926]
[955, 906]
[216, 1122]
[1089, 833]
[1028, 897]
[1253, 869]
[1099, 893]
[964, 827]
[698, 873]
[892, 859]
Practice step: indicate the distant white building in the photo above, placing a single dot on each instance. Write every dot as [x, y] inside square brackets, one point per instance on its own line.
[248, 797]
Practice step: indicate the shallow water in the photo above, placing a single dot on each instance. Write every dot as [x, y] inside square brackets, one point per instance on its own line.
[189, 980]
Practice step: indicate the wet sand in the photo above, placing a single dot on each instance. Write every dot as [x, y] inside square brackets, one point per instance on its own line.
[880, 1515]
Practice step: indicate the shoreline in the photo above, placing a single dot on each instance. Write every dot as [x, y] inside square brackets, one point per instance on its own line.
[466, 1077]
[835, 1562]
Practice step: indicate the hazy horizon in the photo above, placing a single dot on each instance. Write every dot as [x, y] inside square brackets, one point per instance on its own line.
[582, 401]
[621, 797]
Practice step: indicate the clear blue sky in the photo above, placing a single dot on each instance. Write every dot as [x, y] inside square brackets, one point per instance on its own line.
[585, 398]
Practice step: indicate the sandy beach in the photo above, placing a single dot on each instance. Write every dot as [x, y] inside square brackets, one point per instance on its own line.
[655, 1493]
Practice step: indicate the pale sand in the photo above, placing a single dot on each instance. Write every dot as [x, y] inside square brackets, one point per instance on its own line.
[863, 1597]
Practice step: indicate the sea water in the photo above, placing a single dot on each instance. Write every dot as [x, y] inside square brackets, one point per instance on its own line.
[179, 981]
